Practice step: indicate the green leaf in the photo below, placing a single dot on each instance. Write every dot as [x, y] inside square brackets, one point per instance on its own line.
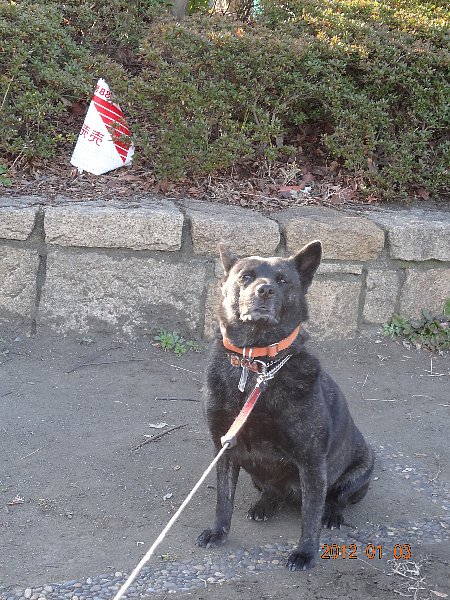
[427, 315]
[447, 307]
[4, 178]
[398, 321]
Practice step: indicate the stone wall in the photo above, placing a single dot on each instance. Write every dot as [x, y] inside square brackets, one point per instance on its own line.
[129, 268]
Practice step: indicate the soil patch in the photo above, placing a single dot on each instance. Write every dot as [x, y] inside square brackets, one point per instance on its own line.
[82, 497]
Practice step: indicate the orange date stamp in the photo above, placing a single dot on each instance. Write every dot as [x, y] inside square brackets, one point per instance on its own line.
[370, 551]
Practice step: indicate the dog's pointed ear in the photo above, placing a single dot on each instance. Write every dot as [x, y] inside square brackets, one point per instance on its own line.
[227, 257]
[307, 262]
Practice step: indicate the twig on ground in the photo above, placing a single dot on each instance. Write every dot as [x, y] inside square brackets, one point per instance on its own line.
[106, 362]
[177, 399]
[156, 438]
[379, 400]
[183, 369]
[439, 470]
[431, 373]
[411, 571]
[362, 387]
[408, 569]
[31, 454]
[370, 564]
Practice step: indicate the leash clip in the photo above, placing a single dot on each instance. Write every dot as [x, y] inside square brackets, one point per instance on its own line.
[267, 375]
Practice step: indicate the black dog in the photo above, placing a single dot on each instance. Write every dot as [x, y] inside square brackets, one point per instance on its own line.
[300, 443]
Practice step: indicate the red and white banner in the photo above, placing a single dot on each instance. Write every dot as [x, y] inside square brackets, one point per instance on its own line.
[104, 142]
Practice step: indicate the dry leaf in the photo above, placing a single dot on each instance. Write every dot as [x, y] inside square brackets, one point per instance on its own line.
[423, 194]
[308, 178]
[334, 165]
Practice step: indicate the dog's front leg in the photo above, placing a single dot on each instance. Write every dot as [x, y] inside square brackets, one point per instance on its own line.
[314, 485]
[227, 476]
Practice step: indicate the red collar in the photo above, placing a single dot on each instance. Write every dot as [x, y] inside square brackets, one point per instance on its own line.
[270, 351]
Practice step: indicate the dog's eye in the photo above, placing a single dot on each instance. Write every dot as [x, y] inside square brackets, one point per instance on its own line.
[281, 279]
[246, 277]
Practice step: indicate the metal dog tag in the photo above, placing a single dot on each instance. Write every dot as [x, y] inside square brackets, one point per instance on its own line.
[243, 379]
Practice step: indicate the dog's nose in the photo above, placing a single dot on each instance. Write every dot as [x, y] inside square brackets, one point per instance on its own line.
[264, 290]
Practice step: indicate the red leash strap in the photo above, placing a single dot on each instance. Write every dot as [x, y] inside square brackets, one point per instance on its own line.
[230, 436]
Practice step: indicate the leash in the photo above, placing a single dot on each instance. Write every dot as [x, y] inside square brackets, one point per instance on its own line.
[227, 441]
[168, 527]
[265, 375]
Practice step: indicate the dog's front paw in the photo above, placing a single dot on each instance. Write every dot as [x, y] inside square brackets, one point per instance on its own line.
[210, 538]
[301, 560]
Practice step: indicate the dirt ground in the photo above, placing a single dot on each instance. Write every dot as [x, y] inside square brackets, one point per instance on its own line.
[81, 495]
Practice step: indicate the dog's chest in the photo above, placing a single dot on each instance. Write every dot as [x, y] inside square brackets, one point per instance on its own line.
[260, 442]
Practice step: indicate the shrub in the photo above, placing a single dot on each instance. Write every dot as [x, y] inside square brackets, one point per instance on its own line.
[215, 95]
[385, 89]
[210, 92]
[219, 90]
[42, 71]
[109, 26]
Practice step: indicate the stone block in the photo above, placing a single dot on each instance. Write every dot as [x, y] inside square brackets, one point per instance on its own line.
[382, 289]
[16, 221]
[416, 234]
[333, 308]
[424, 289]
[212, 300]
[157, 225]
[18, 274]
[244, 231]
[93, 291]
[339, 268]
[344, 236]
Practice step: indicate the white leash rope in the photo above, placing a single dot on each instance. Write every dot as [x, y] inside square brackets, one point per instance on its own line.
[169, 525]
[265, 376]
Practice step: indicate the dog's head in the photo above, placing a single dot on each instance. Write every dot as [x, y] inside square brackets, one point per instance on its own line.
[266, 297]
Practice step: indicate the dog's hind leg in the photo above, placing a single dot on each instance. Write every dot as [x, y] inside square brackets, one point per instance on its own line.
[266, 506]
[350, 488]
